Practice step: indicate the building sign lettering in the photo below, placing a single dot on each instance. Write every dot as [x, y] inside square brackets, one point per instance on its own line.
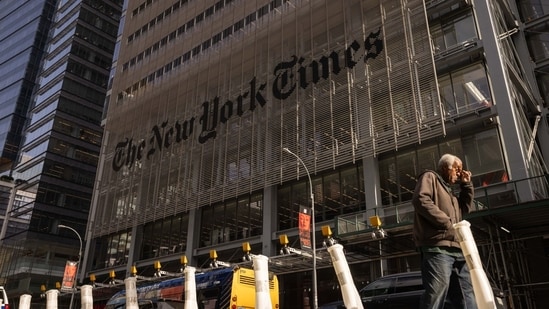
[288, 76]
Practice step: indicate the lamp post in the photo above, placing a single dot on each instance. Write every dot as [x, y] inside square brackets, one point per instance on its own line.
[315, 296]
[79, 259]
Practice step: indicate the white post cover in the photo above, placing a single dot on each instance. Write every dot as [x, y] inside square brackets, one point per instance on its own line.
[261, 275]
[25, 301]
[484, 295]
[190, 288]
[351, 298]
[131, 293]
[86, 296]
[51, 299]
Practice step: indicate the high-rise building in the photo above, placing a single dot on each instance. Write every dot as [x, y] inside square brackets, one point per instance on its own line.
[62, 130]
[364, 95]
[24, 28]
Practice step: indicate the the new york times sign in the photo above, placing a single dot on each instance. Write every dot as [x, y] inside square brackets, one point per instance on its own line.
[288, 76]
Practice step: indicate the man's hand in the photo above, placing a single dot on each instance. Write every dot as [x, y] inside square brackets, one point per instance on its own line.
[465, 176]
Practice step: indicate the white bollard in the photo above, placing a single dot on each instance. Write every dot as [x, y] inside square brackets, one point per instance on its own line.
[190, 288]
[131, 293]
[51, 299]
[484, 295]
[86, 296]
[261, 275]
[25, 301]
[351, 298]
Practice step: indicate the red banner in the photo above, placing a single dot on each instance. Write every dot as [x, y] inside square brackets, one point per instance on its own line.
[69, 277]
[305, 228]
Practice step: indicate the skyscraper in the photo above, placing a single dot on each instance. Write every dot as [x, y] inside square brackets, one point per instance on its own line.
[62, 133]
[24, 28]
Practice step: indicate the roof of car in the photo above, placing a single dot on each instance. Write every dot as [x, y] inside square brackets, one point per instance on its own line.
[405, 274]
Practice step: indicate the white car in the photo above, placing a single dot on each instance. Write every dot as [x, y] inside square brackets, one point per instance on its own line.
[4, 304]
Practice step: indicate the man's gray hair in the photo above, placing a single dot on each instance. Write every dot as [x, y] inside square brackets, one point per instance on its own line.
[447, 161]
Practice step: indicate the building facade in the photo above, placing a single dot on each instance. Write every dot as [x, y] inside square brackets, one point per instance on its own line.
[24, 27]
[207, 95]
[55, 168]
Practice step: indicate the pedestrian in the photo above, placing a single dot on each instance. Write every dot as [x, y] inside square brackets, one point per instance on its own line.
[438, 205]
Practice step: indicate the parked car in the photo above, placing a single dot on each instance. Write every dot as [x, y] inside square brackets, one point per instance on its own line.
[397, 291]
[4, 303]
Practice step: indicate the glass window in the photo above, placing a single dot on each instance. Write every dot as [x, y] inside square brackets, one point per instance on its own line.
[300, 197]
[352, 193]
[231, 220]
[465, 90]
[378, 287]
[408, 284]
[118, 249]
[407, 170]
[209, 11]
[481, 154]
[181, 30]
[533, 9]
[256, 216]
[173, 236]
[286, 215]
[427, 158]
[398, 173]
[453, 32]
[331, 199]
[335, 193]
[388, 184]
[199, 17]
[190, 24]
[484, 157]
[207, 225]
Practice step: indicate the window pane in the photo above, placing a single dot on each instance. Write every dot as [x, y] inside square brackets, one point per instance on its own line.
[332, 196]
[256, 215]
[471, 89]
[407, 169]
[379, 287]
[484, 158]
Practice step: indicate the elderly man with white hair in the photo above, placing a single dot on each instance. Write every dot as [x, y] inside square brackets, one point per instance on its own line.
[438, 206]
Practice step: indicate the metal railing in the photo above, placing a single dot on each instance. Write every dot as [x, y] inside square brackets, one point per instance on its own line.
[504, 194]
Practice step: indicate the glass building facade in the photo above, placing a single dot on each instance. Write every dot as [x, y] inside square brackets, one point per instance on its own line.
[62, 134]
[23, 27]
[207, 94]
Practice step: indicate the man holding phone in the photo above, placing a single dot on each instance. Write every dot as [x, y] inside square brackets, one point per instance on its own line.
[437, 206]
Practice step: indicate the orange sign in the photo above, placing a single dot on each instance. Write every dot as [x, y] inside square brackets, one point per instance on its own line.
[69, 277]
[305, 228]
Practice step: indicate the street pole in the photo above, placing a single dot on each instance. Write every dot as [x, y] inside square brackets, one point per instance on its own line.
[315, 296]
[78, 264]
